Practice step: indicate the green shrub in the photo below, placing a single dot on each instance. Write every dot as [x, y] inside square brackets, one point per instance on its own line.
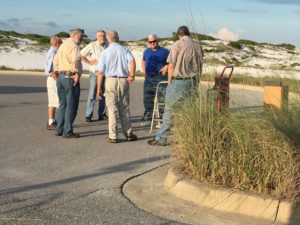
[236, 150]
[63, 34]
[287, 46]
[235, 44]
[246, 42]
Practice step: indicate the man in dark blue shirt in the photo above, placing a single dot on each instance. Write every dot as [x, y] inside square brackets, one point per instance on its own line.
[155, 68]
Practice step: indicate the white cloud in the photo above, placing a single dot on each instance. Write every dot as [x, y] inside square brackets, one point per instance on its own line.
[226, 35]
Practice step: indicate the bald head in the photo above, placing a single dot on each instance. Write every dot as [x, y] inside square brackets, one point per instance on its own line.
[112, 36]
[55, 41]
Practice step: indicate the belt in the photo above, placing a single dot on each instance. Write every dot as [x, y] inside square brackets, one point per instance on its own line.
[116, 77]
[66, 73]
[183, 78]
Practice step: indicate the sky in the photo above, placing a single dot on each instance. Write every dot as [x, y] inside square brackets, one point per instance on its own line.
[271, 21]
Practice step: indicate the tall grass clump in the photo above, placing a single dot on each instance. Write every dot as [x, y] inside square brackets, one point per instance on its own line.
[236, 150]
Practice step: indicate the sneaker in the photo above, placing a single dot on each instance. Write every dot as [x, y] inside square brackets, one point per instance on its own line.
[58, 134]
[88, 119]
[157, 143]
[52, 126]
[73, 135]
[111, 140]
[131, 137]
[103, 117]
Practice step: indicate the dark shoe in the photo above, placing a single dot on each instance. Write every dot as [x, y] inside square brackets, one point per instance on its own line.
[103, 117]
[58, 134]
[88, 119]
[73, 135]
[131, 137]
[157, 143]
[51, 127]
[110, 140]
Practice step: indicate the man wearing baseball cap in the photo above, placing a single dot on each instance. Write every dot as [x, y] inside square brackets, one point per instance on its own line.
[67, 64]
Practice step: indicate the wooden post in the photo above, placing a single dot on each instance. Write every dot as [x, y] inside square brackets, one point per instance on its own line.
[275, 94]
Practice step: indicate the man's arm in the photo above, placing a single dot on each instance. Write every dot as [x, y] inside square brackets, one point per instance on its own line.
[170, 73]
[131, 76]
[90, 62]
[99, 84]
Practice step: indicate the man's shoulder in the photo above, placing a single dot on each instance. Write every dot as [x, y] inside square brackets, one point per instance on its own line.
[51, 51]
[163, 49]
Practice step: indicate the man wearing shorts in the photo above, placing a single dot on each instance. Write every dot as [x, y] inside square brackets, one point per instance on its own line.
[53, 102]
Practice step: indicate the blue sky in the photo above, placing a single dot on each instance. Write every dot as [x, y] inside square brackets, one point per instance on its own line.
[273, 21]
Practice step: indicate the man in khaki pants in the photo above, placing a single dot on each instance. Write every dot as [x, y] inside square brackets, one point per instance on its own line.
[113, 64]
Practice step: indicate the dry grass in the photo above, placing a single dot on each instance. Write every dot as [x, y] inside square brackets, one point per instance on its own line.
[238, 150]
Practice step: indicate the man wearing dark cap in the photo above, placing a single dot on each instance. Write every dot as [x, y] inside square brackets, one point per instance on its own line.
[67, 64]
[185, 67]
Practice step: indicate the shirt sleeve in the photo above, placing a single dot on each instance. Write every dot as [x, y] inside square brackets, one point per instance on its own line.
[172, 58]
[86, 50]
[55, 62]
[47, 64]
[144, 55]
[129, 55]
[74, 58]
[101, 63]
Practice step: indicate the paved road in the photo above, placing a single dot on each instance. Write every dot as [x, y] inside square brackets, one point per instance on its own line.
[50, 180]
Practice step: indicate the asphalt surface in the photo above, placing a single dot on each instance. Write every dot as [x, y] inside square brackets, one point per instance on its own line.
[46, 179]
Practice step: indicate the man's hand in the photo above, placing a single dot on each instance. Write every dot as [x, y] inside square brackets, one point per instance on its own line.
[94, 62]
[164, 70]
[75, 79]
[53, 75]
[130, 79]
[99, 94]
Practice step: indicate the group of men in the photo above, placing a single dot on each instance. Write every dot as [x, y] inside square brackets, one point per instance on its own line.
[112, 70]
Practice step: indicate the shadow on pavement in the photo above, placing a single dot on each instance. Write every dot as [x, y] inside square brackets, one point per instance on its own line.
[109, 170]
[21, 90]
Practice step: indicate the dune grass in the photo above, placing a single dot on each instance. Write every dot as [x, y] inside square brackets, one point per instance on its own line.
[258, 153]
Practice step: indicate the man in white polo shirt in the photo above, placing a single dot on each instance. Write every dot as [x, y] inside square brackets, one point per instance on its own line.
[90, 55]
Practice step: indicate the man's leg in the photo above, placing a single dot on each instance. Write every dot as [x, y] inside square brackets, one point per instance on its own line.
[175, 91]
[112, 106]
[70, 106]
[60, 115]
[92, 96]
[102, 110]
[53, 102]
[123, 106]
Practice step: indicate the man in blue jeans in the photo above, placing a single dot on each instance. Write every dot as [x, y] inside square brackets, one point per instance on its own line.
[155, 68]
[185, 67]
[67, 64]
[90, 55]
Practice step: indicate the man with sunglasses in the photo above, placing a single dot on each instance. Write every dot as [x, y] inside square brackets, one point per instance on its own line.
[155, 68]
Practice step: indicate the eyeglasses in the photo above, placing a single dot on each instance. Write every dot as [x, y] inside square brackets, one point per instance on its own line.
[151, 42]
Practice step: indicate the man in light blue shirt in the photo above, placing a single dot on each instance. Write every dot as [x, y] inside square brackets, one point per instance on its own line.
[53, 102]
[113, 64]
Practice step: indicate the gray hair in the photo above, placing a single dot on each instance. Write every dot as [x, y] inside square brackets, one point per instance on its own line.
[113, 36]
[152, 35]
[54, 40]
[183, 31]
[101, 31]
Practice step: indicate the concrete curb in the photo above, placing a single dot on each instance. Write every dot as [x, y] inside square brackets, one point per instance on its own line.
[232, 201]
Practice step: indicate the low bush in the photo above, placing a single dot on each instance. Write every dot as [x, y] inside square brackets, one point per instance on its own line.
[235, 44]
[237, 150]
